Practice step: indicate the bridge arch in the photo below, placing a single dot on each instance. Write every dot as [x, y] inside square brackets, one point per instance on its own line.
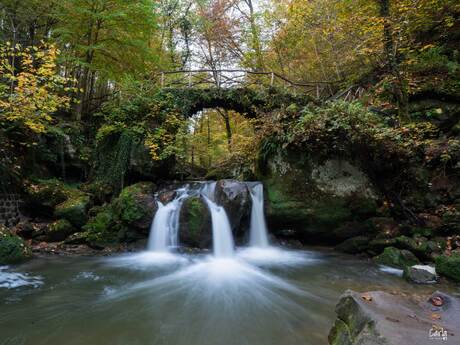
[246, 101]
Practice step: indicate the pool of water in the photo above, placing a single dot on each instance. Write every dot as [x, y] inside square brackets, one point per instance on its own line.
[258, 298]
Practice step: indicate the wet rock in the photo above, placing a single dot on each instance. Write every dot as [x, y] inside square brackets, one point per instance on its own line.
[378, 318]
[398, 258]
[195, 226]
[235, 198]
[354, 245]
[449, 266]
[421, 274]
[13, 248]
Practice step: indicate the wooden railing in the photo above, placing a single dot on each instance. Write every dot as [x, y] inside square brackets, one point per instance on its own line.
[231, 78]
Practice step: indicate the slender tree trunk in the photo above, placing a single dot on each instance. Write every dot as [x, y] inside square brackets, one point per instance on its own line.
[228, 127]
[390, 55]
[255, 37]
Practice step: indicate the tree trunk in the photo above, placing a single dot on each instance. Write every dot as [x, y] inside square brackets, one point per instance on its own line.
[228, 127]
[390, 54]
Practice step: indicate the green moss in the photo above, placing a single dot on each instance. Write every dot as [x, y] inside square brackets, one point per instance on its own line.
[394, 257]
[101, 229]
[47, 193]
[449, 266]
[340, 334]
[12, 248]
[196, 210]
[74, 209]
[126, 203]
[59, 230]
[195, 222]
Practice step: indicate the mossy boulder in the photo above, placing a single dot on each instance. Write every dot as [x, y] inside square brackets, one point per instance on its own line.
[395, 257]
[74, 209]
[315, 198]
[354, 245]
[58, 231]
[136, 205]
[449, 266]
[195, 223]
[102, 229]
[13, 249]
[42, 196]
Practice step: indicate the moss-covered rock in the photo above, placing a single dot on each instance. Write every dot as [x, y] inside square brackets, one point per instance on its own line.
[74, 209]
[398, 258]
[315, 198]
[449, 266]
[354, 245]
[136, 205]
[195, 223]
[101, 230]
[57, 231]
[42, 196]
[12, 248]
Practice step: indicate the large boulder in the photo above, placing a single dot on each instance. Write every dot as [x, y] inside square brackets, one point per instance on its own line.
[12, 247]
[74, 209]
[136, 205]
[379, 318]
[317, 198]
[126, 219]
[421, 274]
[398, 258]
[195, 226]
[449, 266]
[235, 198]
[58, 231]
[42, 196]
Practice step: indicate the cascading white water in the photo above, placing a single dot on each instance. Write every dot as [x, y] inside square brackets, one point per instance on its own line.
[208, 190]
[165, 225]
[222, 237]
[258, 229]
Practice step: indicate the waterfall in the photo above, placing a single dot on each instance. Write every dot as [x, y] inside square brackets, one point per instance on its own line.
[165, 225]
[258, 229]
[208, 190]
[222, 237]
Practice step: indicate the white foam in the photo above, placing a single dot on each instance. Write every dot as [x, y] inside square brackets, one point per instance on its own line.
[274, 256]
[147, 259]
[12, 280]
[391, 270]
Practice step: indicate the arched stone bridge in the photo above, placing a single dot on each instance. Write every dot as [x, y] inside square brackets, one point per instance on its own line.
[247, 92]
[246, 101]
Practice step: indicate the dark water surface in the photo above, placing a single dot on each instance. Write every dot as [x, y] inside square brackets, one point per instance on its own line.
[268, 298]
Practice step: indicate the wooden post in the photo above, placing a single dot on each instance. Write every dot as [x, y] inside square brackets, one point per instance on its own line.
[190, 79]
[272, 79]
[317, 91]
[162, 79]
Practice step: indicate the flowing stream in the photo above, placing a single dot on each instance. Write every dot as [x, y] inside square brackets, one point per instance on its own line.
[259, 295]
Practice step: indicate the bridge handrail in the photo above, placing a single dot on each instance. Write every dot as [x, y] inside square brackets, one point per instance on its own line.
[269, 73]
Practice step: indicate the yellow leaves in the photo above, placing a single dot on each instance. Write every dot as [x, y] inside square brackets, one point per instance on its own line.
[30, 94]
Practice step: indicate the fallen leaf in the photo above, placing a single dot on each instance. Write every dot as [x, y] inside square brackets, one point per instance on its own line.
[437, 301]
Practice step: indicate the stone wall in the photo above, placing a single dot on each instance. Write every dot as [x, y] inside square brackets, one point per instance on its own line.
[9, 209]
